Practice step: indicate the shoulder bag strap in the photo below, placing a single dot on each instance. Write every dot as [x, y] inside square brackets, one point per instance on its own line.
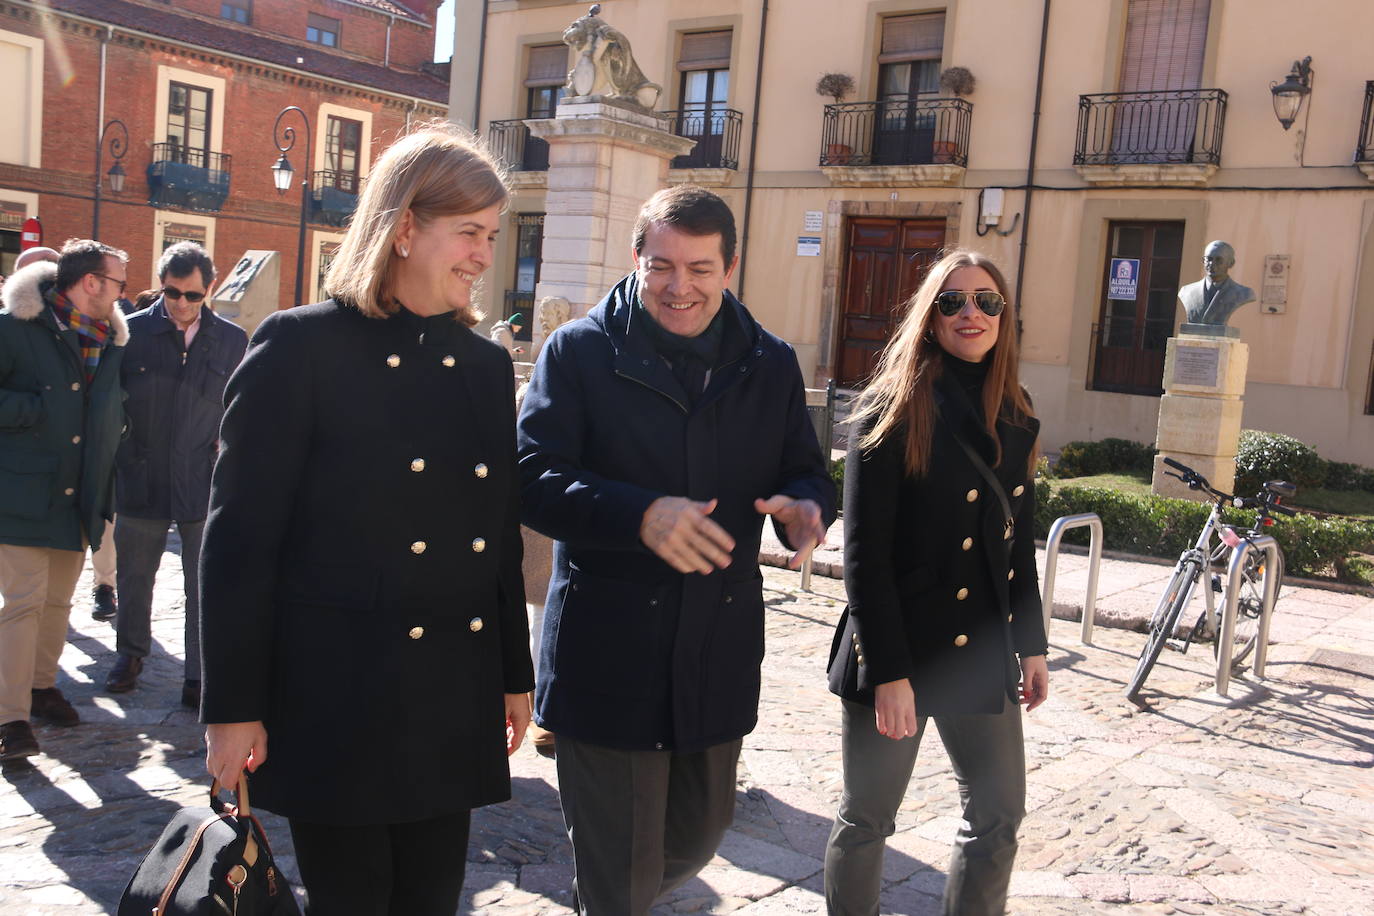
[981, 466]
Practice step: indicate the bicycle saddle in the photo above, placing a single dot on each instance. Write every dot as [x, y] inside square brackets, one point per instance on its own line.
[1281, 488]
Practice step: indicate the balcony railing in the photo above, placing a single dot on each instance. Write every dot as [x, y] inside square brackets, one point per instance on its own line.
[512, 143]
[1365, 151]
[717, 134]
[912, 131]
[333, 196]
[1181, 126]
[194, 179]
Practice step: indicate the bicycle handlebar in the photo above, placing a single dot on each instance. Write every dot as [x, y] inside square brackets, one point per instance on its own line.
[1179, 467]
[1282, 510]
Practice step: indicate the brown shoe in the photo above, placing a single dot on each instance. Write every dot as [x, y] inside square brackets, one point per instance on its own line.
[52, 707]
[17, 741]
[123, 676]
[542, 739]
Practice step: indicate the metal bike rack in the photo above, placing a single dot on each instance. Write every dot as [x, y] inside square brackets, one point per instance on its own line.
[1226, 638]
[1062, 524]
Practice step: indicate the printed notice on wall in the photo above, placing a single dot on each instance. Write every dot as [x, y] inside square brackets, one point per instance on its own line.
[1274, 292]
[1124, 279]
[808, 246]
[1196, 365]
[813, 221]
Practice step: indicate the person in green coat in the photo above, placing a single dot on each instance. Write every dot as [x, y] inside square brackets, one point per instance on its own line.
[61, 417]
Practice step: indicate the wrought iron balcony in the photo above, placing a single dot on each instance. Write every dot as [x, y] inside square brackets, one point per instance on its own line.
[333, 197]
[716, 132]
[1181, 126]
[512, 143]
[1365, 151]
[917, 130]
[193, 179]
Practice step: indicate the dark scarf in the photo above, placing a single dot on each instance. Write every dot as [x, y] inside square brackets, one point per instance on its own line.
[690, 358]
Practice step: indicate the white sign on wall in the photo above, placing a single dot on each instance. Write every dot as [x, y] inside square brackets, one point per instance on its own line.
[808, 246]
[1274, 290]
[814, 221]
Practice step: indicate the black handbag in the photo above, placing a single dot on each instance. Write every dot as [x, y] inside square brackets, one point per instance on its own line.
[210, 863]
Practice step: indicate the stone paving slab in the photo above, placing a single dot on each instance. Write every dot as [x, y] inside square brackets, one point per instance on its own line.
[1262, 802]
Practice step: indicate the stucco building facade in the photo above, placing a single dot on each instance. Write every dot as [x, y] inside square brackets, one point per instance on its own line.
[1134, 129]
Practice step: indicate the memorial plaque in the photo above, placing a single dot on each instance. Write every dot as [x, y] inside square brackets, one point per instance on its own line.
[1196, 365]
[1274, 292]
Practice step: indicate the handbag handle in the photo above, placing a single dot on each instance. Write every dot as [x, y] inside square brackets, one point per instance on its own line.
[241, 810]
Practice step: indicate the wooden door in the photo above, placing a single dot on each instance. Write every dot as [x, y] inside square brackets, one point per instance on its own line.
[1132, 334]
[886, 260]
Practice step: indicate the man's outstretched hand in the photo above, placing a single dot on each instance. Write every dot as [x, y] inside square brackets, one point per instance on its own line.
[801, 520]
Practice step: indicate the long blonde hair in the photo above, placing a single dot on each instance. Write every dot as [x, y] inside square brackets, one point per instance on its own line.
[901, 392]
[437, 170]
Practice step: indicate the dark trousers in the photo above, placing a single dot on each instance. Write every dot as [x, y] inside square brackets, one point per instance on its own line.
[641, 822]
[412, 869]
[139, 542]
[988, 755]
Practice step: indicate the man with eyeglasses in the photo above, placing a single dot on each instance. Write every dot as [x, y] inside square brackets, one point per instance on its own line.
[61, 344]
[179, 357]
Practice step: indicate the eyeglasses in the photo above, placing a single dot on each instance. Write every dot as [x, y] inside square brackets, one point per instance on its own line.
[122, 283]
[951, 302]
[171, 292]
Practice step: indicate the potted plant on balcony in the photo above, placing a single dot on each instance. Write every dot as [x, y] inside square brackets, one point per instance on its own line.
[958, 82]
[837, 86]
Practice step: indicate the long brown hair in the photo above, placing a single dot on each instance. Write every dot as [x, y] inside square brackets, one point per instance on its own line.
[437, 170]
[901, 392]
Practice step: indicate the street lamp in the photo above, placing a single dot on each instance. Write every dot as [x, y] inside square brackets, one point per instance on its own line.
[282, 173]
[118, 147]
[1289, 94]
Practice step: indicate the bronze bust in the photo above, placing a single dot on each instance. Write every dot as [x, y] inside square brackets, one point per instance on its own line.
[1210, 301]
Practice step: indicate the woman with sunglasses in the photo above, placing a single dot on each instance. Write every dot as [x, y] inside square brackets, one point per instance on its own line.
[944, 617]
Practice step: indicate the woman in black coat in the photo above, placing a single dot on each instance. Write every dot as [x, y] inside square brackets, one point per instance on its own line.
[944, 617]
[365, 646]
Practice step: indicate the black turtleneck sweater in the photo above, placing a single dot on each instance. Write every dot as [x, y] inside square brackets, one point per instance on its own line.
[970, 377]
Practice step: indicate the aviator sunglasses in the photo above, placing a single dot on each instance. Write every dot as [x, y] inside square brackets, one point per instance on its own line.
[171, 292]
[951, 301]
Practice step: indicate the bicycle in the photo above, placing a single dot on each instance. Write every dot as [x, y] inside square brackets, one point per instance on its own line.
[1204, 556]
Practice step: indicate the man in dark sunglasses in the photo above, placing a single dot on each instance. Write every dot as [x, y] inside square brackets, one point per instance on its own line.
[179, 357]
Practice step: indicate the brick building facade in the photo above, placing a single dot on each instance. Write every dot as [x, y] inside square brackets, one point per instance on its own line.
[198, 85]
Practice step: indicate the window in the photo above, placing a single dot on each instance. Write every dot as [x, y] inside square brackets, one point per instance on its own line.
[327, 252]
[1137, 319]
[544, 80]
[188, 124]
[322, 30]
[908, 66]
[529, 247]
[240, 11]
[342, 142]
[173, 233]
[704, 91]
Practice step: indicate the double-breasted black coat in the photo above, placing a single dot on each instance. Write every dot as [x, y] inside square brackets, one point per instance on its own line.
[360, 574]
[934, 593]
[635, 654]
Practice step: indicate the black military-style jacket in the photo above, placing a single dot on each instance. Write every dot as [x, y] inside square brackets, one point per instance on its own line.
[934, 593]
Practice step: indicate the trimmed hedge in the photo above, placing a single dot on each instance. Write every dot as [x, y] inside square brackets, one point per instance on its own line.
[1342, 475]
[1105, 456]
[1158, 526]
[1263, 456]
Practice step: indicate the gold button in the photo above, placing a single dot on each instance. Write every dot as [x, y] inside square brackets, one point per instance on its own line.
[1009, 616]
[968, 543]
[417, 632]
[1018, 491]
[854, 638]
[479, 545]
[480, 470]
[393, 360]
[76, 440]
[971, 495]
[961, 594]
[1011, 574]
[475, 624]
[69, 491]
[418, 547]
[961, 640]
[860, 659]
[1006, 533]
[417, 465]
[449, 362]
[76, 386]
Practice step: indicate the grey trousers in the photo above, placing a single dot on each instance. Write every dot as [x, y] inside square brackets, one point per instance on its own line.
[641, 822]
[140, 543]
[988, 755]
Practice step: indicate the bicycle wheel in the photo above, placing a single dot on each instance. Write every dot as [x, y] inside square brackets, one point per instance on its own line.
[1163, 621]
[1248, 608]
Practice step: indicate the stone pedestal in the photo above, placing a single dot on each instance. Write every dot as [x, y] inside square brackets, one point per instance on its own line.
[252, 291]
[1200, 412]
[605, 159]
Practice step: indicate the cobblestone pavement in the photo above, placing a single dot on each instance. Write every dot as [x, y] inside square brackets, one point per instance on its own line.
[1260, 803]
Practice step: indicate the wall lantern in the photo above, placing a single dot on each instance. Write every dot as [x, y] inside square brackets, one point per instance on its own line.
[1289, 94]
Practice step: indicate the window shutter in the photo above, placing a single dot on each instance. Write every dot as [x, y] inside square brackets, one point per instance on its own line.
[920, 37]
[1166, 41]
[548, 66]
[705, 51]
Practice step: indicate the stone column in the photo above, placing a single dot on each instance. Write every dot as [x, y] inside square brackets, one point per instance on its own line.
[606, 158]
[1200, 412]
